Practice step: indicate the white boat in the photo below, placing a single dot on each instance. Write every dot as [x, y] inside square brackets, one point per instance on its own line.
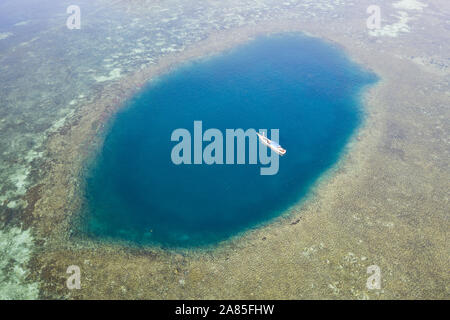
[271, 144]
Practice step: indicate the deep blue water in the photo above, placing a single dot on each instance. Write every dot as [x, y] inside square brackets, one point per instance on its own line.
[302, 86]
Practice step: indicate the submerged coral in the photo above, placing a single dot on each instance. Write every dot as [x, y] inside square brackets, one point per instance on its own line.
[16, 247]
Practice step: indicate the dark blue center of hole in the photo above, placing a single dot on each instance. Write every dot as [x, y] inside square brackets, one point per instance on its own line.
[302, 86]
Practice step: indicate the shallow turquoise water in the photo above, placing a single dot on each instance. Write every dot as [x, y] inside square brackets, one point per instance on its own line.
[304, 87]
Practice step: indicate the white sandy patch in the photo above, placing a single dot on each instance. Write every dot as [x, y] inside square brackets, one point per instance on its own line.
[16, 246]
[409, 5]
[22, 23]
[31, 155]
[20, 180]
[169, 49]
[58, 124]
[28, 42]
[5, 35]
[114, 74]
[393, 30]
[17, 204]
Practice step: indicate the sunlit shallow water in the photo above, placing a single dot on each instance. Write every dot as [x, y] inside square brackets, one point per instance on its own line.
[304, 87]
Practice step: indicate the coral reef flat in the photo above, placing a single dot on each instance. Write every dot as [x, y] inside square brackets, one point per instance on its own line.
[385, 203]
